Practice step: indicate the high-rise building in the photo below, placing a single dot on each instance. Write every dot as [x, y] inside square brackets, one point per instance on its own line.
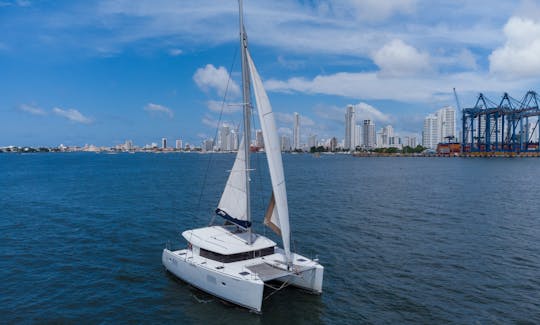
[350, 128]
[178, 144]
[285, 143]
[128, 145]
[312, 141]
[234, 139]
[409, 141]
[163, 143]
[431, 133]
[208, 145]
[259, 140]
[369, 136]
[384, 135]
[224, 138]
[333, 144]
[358, 135]
[447, 123]
[296, 131]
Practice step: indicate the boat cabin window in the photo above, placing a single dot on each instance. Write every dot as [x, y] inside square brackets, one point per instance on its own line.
[236, 257]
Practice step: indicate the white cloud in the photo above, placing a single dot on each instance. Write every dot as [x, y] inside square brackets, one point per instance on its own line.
[365, 111]
[290, 64]
[375, 10]
[371, 86]
[175, 52]
[284, 131]
[217, 106]
[19, 3]
[218, 79]
[32, 109]
[330, 113]
[72, 115]
[160, 109]
[288, 118]
[210, 121]
[519, 57]
[23, 3]
[399, 59]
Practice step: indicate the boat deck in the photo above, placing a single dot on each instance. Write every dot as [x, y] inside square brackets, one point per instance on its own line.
[267, 272]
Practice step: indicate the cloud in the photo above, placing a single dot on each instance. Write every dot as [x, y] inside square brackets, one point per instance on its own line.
[23, 3]
[32, 109]
[365, 111]
[291, 64]
[216, 106]
[330, 113]
[399, 59]
[284, 131]
[375, 10]
[218, 79]
[72, 115]
[371, 86]
[18, 3]
[210, 121]
[175, 52]
[160, 109]
[288, 118]
[519, 56]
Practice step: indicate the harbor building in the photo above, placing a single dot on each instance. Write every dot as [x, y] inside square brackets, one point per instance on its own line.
[163, 143]
[508, 127]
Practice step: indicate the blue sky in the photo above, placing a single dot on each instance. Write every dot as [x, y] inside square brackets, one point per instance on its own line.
[101, 72]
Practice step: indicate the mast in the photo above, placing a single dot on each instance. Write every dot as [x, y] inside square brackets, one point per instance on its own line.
[247, 111]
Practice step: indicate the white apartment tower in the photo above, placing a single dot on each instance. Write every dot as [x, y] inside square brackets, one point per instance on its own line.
[178, 144]
[259, 141]
[447, 123]
[312, 141]
[369, 135]
[431, 133]
[296, 134]
[224, 135]
[358, 136]
[350, 128]
[163, 143]
[285, 143]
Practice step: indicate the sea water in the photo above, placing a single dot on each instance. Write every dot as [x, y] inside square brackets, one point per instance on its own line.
[402, 240]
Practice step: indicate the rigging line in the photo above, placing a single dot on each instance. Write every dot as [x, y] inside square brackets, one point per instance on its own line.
[215, 137]
[276, 289]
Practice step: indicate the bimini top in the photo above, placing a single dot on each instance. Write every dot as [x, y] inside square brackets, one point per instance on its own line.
[225, 241]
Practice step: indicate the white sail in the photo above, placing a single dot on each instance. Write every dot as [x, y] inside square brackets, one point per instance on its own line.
[233, 203]
[280, 211]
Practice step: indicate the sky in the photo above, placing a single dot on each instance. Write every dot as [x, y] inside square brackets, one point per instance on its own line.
[102, 72]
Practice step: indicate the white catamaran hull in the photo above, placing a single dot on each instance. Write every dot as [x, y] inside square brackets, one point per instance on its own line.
[226, 281]
[244, 292]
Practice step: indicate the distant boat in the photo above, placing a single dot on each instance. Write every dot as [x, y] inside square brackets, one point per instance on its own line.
[230, 261]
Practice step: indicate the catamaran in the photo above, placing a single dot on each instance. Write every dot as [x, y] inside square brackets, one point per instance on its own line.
[230, 261]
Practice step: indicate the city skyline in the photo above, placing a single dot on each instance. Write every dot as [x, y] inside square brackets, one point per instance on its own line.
[103, 71]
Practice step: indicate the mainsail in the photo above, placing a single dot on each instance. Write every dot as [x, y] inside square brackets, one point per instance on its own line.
[233, 203]
[279, 217]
